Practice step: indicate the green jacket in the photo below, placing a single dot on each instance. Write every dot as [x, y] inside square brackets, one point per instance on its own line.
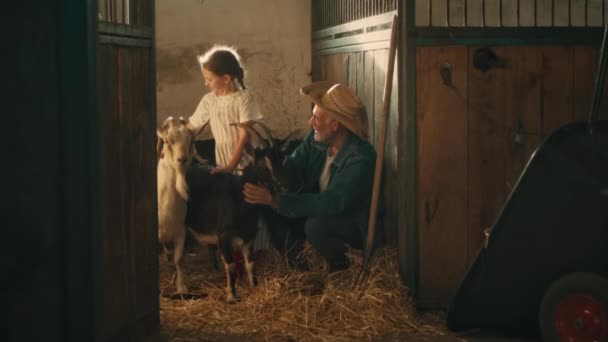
[349, 190]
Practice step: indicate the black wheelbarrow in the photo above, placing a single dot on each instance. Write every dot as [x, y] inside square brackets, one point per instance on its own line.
[544, 267]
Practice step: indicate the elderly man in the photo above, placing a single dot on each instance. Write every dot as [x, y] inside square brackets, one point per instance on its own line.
[333, 169]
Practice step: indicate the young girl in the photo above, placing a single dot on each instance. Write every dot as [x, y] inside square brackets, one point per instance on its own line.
[227, 102]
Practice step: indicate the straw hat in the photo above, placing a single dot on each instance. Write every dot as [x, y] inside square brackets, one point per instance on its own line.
[341, 103]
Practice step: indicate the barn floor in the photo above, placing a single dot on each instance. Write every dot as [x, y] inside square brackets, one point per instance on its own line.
[296, 306]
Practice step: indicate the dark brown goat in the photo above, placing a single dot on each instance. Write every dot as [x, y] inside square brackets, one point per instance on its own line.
[217, 213]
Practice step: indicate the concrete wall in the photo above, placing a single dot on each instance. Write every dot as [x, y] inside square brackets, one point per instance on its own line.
[272, 36]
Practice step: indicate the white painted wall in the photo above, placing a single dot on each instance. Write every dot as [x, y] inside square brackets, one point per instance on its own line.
[272, 36]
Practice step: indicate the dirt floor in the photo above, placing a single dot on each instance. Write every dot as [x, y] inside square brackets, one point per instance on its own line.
[297, 306]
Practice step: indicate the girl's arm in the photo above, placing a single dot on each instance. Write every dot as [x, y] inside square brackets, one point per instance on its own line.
[237, 154]
[200, 115]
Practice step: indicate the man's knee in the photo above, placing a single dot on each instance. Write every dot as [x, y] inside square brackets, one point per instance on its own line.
[315, 229]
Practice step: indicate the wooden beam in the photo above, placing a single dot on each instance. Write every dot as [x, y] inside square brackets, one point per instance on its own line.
[408, 217]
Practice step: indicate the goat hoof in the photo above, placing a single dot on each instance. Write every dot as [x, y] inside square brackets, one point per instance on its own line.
[232, 298]
[181, 289]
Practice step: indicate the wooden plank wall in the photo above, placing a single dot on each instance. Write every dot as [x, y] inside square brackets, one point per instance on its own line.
[365, 72]
[126, 101]
[116, 11]
[330, 13]
[141, 12]
[511, 13]
[128, 196]
[442, 127]
[475, 135]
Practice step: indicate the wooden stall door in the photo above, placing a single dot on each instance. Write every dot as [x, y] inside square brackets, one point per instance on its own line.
[504, 129]
[511, 110]
[476, 133]
[442, 171]
[126, 97]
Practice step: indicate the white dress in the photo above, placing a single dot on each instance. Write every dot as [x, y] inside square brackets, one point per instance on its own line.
[221, 111]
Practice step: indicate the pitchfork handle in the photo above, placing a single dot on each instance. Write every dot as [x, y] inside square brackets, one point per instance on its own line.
[388, 86]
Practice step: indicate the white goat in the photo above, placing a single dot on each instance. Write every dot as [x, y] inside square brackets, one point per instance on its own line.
[175, 150]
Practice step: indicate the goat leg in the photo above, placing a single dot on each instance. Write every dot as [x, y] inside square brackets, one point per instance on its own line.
[212, 249]
[168, 249]
[209, 240]
[178, 260]
[249, 264]
[230, 267]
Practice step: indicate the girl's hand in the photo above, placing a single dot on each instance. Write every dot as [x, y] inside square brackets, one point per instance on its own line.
[225, 169]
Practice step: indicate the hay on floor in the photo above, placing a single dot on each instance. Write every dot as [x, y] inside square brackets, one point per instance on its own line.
[291, 305]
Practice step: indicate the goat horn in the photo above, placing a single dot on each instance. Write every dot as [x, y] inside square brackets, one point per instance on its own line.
[254, 134]
[266, 130]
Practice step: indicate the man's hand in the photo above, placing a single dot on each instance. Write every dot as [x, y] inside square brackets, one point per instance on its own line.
[256, 194]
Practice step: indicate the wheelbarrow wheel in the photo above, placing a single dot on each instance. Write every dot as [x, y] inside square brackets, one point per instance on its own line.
[575, 309]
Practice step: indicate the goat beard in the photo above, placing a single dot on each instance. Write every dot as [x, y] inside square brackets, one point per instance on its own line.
[181, 185]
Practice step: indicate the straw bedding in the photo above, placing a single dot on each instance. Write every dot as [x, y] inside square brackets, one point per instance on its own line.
[289, 305]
